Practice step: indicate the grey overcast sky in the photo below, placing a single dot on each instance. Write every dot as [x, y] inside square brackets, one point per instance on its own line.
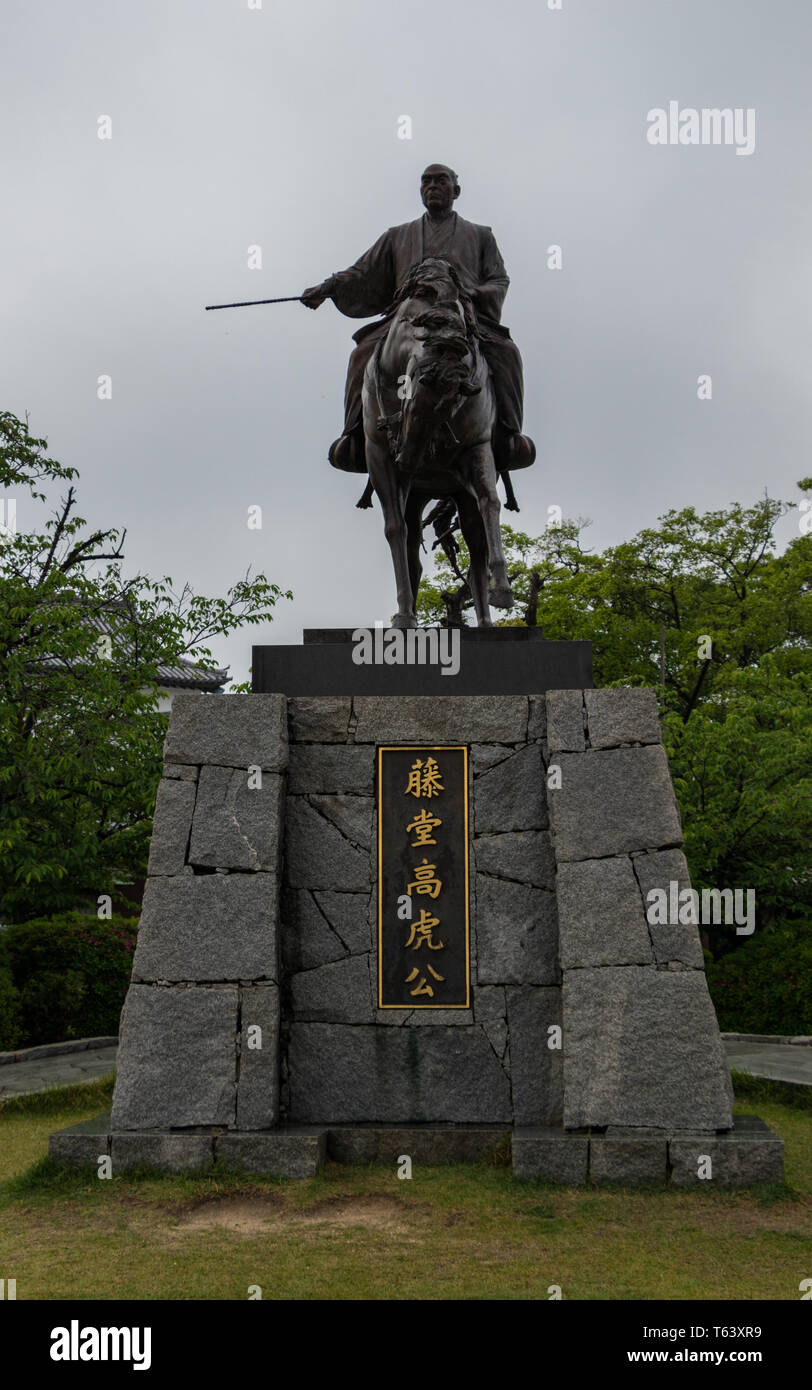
[277, 126]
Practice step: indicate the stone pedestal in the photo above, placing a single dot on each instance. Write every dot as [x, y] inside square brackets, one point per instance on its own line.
[251, 1032]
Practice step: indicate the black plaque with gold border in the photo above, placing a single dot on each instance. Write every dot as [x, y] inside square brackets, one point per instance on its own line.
[423, 915]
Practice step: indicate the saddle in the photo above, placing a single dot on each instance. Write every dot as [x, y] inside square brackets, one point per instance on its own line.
[347, 453]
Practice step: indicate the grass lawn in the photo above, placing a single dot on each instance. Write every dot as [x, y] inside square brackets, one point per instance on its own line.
[450, 1233]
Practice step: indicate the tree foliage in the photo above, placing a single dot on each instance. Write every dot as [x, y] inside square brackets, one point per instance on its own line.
[702, 609]
[80, 736]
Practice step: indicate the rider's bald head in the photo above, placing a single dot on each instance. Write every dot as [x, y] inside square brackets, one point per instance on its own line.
[430, 174]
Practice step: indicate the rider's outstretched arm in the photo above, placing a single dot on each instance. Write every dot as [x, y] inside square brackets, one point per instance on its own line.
[368, 286]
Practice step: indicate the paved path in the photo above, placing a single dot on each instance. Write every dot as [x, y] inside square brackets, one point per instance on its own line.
[774, 1061]
[63, 1070]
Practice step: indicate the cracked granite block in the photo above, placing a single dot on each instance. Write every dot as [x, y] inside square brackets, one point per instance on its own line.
[331, 768]
[319, 718]
[341, 1073]
[237, 826]
[671, 942]
[487, 755]
[172, 822]
[565, 721]
[512, 795]
[307, 938]
[490, 1012]
[516, 933]
[432, 1018]
[352, 916]
[334, 993]
[317, 855]
[600, 914]
[187, 772]
[526, 856]
[537, 721]
[353, 816]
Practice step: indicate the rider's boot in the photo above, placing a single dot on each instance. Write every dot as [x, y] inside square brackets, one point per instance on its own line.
[512, 450]
[347, 452]
[520, 451]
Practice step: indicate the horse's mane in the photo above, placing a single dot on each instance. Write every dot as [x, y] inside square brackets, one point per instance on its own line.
[427, 274]
[450, 341]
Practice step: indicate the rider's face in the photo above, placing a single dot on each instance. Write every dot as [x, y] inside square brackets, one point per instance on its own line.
[437, 189]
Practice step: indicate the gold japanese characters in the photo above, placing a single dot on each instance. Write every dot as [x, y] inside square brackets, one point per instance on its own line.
[423, 946]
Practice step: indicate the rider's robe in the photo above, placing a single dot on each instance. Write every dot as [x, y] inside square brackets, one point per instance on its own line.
[368, 287]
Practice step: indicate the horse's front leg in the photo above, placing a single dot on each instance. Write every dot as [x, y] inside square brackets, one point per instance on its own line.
[483, 480]
[393, 497]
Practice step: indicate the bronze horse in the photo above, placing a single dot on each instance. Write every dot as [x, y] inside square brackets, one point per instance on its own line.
[429, 413]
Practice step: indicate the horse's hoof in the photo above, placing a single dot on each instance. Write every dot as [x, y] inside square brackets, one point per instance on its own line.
[403, 620]
[501, 597]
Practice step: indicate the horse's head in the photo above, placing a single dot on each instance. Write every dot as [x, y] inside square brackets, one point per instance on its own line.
[439, 282]
[436, 329]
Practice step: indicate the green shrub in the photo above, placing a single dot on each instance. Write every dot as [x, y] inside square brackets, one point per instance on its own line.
[10, 1013]
[765, 986]
[52, 1006]
[71, 972]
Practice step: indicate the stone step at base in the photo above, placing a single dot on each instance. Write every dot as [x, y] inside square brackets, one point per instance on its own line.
[296, 1152]
[747, 1154]
[421, 1143]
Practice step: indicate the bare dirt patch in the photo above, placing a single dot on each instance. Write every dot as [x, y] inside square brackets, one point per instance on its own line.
[256, 1214]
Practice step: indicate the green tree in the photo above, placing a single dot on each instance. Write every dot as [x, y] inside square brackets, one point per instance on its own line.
[80, 735]
[702, 609]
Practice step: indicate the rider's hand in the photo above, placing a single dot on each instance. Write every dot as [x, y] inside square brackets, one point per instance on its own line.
[316, 295]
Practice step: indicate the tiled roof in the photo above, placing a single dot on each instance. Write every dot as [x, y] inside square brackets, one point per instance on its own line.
[192, 677]
[183, 674]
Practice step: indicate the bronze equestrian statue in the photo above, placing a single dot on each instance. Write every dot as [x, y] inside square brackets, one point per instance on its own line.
[428, 415]
[433, 402]
[370, 285]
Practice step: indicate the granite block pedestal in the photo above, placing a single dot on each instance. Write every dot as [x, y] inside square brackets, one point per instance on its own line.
[251, 1034]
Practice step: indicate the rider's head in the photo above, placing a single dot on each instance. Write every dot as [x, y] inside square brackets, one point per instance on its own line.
[439, 187]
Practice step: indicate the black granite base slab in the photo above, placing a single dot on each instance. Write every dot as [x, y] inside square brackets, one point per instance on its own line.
[469, 661]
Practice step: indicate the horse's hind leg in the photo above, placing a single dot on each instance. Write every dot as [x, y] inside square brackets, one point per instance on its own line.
[393, 505]
[415, 504]
[473, 533]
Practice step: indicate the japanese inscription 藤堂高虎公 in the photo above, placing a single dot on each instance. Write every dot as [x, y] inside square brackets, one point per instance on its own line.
[423, 932]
